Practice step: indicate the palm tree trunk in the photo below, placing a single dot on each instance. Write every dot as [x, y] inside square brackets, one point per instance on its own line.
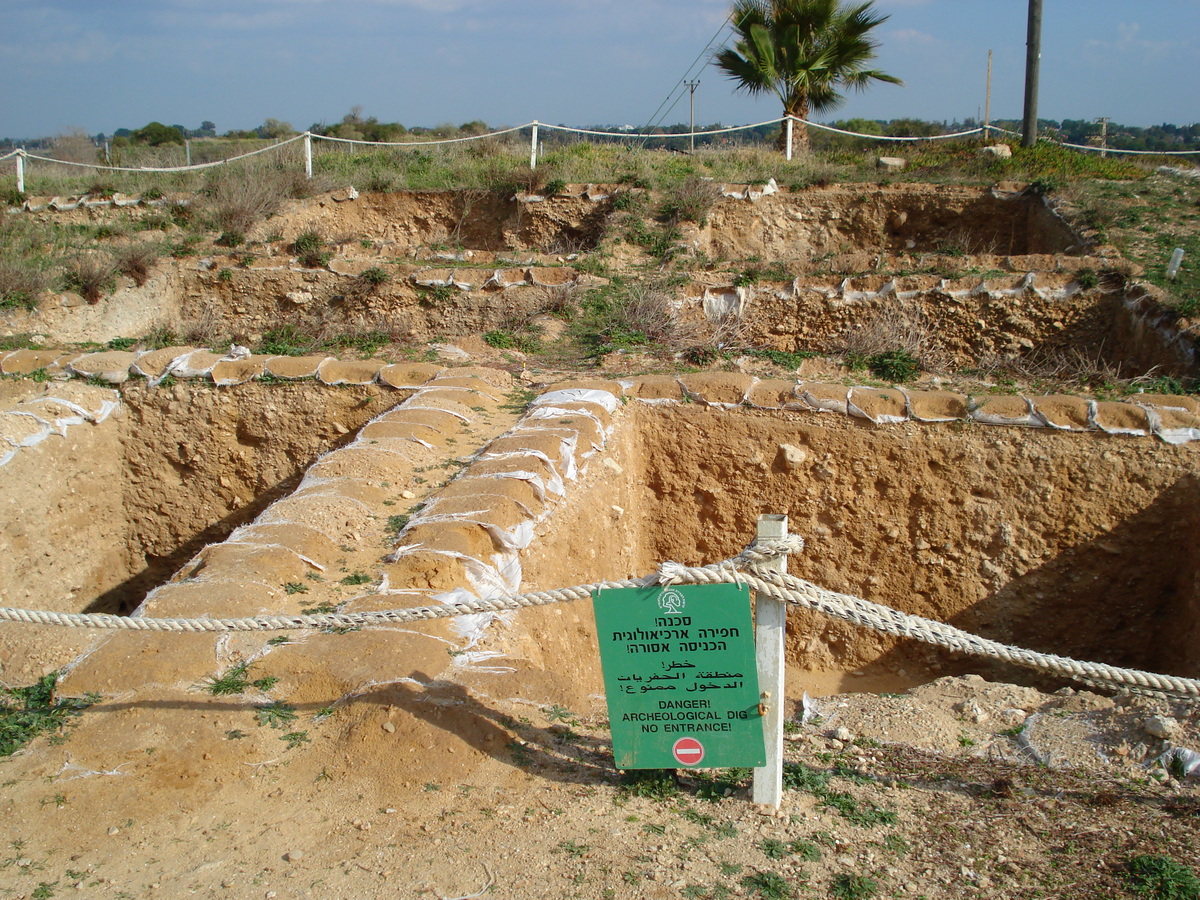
[796, 106]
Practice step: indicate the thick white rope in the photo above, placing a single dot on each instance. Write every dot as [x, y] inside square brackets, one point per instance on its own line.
[431, 143]
[742, 570]
[882, 137]
[638, 136]
[192, 168]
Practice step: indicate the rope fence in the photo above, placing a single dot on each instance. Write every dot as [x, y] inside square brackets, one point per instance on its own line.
[535, 127]
[747, 568]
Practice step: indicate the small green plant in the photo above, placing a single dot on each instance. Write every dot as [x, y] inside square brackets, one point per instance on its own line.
[1087, 279]
[806, 850]
[573, 849]
[657, 784]
[397, 523]
[235, 734]
[29, 711]
[769, 885]
[44, 890]
[1161, 878]
[853, 887]
[896, 366]
[231, 238]
[773, 848]
[374, 276]
[356, 578]
[295, 587]
[307, 242]
[294, 739]
[225, 276]
[276, 714]
[558, 713]
[235, 681]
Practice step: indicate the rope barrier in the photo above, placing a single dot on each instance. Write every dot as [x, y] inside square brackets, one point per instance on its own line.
[192, 168]
[461, 140]
[883, 137]
[636, 135]
[742, 569]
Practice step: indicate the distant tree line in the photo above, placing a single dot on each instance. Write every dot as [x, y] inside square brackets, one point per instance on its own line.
[354, 126]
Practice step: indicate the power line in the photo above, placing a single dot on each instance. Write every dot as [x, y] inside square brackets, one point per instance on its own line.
[655, 121]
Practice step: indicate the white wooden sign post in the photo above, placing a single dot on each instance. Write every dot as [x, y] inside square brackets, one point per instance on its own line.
[770, 628]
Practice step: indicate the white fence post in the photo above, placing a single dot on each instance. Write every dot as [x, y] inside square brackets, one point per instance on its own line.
[308, 154]
[770, 628]
[533, 147]
[789, 138]
[21, 171]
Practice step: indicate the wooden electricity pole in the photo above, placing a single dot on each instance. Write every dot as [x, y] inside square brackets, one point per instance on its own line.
[1033, 60]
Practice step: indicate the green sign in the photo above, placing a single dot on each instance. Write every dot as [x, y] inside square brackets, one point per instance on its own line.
[681, 677]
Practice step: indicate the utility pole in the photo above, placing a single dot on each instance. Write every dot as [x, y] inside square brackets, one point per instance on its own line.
[1033, 59]
[1103, 120]
[691, 86]
[987, 102]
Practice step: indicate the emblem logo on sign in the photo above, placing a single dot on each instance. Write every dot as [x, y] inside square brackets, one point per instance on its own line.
[671, 601]
[689, 751]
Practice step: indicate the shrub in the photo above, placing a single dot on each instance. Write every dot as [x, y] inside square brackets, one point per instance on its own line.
[690, 201]
[896, 366]
[91, 276]
[374, 276]
[136, 261]
[236, 201]
[20, 284]
[308, 241]
[620, 316]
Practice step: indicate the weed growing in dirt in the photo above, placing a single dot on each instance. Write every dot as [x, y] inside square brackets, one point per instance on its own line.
[295, 587]
[29, 711]
[1161, 878]
[896, 366]
[690, 200]
[769, 885]
[91, 276]
[276, 714]
[799, 777]
[237, 680]
[356, 578]
[294, 739]
[853, 887]
[503, 339]
[656, 784]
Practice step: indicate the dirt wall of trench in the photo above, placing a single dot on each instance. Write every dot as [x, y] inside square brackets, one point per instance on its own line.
[199, 461]
[954, 321]
[1067, 543]
[884, 218]
[474, 220]
[101, 515]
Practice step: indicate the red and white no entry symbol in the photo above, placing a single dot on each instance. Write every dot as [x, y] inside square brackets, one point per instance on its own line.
[688, 751]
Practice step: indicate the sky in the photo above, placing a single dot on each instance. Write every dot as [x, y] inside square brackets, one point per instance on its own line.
[99, 65]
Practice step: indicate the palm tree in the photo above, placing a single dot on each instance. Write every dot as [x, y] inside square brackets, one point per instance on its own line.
[802, 51]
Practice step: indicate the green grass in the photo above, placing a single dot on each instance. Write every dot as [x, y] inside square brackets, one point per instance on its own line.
[27, 712]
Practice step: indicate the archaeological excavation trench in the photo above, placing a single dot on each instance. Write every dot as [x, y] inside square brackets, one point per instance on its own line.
[279, 485]
[1075, 537]
[970, 276]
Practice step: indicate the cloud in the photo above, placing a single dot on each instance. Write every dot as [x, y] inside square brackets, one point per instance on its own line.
[1129, 41]
[911, 37]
